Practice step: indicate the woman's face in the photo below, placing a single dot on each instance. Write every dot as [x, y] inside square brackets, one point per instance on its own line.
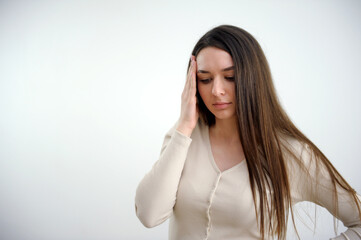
[215, 80]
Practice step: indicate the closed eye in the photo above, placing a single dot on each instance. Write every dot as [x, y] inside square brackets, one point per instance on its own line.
[204, 80]
[208, 80]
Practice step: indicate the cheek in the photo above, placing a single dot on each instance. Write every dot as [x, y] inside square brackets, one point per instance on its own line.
[232, 90]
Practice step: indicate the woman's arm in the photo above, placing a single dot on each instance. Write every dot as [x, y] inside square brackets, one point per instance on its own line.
[317, 187]
[156, 193]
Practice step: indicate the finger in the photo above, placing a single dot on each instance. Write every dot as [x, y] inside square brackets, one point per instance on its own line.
[190, 69]
[194, 79]
[189, 77]
[186, 85]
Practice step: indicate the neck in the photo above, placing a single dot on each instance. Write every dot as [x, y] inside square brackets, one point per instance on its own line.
[226, 130]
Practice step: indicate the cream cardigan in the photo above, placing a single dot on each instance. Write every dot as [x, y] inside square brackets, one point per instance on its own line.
[202, 202]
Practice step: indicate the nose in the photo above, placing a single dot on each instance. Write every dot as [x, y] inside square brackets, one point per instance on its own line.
[218, 87]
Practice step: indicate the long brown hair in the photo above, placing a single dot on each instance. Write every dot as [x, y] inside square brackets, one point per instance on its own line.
[261, 120]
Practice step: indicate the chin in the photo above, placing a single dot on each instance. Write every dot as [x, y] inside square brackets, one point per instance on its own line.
[224, 116]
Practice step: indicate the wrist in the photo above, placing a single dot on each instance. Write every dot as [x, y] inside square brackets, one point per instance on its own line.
[185, 130]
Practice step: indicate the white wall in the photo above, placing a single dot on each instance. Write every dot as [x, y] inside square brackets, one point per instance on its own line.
[89, 88]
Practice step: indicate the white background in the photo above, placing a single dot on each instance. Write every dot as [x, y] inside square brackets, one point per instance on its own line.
[89, 88]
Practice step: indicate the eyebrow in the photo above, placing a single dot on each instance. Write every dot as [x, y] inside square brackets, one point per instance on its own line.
[223, 70]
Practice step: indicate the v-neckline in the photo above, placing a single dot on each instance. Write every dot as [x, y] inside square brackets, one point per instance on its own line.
[211, 157]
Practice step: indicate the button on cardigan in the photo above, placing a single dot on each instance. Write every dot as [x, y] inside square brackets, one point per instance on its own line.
[203, 202]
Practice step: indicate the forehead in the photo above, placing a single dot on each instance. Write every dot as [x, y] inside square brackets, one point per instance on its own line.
[212, 58]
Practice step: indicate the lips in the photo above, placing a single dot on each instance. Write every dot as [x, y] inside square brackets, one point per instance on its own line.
[221, 105]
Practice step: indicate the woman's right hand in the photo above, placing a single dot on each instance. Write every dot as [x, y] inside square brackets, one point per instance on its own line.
[189, 109]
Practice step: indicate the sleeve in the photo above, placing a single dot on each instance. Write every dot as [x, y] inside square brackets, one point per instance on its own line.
[314, 184]
[156, 193]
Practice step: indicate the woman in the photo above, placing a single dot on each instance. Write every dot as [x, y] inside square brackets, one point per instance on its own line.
[234, 164]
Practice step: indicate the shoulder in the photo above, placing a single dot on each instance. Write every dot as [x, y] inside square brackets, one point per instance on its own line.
[294, 148]
[298, 156]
